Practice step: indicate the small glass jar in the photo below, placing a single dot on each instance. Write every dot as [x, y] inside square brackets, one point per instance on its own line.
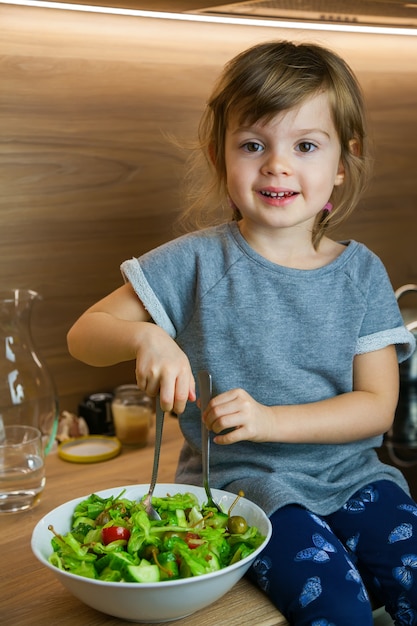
[132, 415]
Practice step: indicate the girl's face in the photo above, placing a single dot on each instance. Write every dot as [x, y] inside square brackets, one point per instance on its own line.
[280, 174]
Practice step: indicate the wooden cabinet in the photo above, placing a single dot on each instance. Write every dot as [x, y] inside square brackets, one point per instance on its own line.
[90, 178]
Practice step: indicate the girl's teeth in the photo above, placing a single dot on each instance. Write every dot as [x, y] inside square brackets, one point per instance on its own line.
[274, 194]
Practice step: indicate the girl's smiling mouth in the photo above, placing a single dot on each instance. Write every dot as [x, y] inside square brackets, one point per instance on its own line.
[278, 194]
[277, 197]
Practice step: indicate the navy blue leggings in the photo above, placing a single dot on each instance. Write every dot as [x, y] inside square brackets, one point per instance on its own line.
[318, 570]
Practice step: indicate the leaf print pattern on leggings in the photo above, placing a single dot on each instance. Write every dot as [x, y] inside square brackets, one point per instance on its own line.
[319, 552]
[261, 568]
[357, 503]
[311, 590]
[355, 576]
[405, 614]
[404, 573]
[324, 556]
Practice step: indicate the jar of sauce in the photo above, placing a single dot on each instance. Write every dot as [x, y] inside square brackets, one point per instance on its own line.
[132, 415]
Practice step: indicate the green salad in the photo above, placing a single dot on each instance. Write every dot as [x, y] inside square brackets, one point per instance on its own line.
[113, 539]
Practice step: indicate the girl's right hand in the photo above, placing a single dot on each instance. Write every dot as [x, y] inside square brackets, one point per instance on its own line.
[118, 328]
[161, 366]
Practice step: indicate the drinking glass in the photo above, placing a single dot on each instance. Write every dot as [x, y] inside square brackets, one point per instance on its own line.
[22, 468]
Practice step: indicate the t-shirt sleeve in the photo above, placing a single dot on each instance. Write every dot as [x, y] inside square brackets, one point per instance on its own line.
[164, 279]
[382, 324]
[133, 273]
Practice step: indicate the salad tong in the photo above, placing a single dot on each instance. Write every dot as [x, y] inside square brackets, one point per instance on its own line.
[205, 385]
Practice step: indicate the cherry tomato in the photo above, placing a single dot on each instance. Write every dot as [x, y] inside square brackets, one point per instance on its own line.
[114, 533]
[193, 540]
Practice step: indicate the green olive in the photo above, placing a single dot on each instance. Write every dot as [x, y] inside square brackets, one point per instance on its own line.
[148, 552]
[237, 525]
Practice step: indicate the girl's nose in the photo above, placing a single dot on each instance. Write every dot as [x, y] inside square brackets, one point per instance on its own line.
[276, 163]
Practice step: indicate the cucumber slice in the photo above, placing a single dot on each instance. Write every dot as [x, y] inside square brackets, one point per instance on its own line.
[143, 573]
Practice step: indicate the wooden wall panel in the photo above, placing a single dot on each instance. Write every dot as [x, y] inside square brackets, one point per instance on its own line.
[88, 177]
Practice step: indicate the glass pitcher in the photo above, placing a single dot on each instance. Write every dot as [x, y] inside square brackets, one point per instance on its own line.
[27, 392]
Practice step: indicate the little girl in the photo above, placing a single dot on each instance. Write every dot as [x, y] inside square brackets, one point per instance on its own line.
[302, 336]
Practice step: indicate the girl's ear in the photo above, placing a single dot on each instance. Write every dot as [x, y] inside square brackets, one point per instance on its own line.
[340, 176]
[354, 147]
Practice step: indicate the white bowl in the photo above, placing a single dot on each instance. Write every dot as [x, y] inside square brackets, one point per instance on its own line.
[150, 602]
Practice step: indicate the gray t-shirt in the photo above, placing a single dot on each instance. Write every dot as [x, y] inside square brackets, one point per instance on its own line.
[286, 336]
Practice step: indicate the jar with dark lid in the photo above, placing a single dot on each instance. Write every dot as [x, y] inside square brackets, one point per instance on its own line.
[96, 410]
[132, 415]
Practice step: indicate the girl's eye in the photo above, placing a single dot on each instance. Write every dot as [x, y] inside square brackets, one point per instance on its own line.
[252, 146]
[306, 146]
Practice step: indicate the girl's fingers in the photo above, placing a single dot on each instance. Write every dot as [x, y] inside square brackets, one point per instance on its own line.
[175, 391]
[232, 436]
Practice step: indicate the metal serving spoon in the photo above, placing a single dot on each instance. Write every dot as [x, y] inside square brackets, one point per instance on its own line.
[159, 423]
[205, 385]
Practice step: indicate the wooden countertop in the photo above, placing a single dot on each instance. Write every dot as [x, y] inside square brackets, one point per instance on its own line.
[31, 596]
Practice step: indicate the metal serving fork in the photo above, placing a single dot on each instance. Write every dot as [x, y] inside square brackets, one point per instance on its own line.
[159, 423]
[205, 385]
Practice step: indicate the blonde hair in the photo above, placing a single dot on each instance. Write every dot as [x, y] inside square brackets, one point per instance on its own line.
[256, 85]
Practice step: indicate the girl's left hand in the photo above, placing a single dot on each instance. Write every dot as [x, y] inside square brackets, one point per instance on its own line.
[237, 410]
